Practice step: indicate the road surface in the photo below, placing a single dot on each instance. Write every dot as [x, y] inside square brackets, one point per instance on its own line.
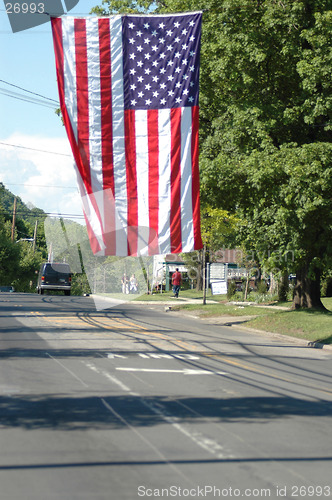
[131, 402]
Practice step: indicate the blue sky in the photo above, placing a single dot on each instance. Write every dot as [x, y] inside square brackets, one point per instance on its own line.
[27, 60]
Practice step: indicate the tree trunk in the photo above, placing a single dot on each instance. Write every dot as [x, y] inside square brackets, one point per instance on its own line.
[273, 284]
[307, 290]
[247, 287]
[199, 271]
[199, 282]
[204, 275]
[283, 287]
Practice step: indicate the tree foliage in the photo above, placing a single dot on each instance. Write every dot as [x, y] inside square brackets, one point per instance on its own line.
[9, 254]
[18, 259]
[218, 231]
[270, 148]
[25, 276]
[265, 114]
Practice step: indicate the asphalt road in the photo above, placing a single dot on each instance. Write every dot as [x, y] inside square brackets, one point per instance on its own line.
[131, 402]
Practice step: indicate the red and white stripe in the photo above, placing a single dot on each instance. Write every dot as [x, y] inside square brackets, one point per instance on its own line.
[137, 169]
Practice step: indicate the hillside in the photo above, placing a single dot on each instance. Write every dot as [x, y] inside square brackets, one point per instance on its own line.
[26, 217]
[23, 212]
[19, 263]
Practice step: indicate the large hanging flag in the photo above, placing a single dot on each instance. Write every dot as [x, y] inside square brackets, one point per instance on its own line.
[128, 89]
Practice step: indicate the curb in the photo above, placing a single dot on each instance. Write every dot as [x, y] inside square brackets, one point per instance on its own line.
[167, 305]
[279, 336]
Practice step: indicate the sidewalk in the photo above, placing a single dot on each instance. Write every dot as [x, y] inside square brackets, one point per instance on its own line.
[174, 301]
[222, 320]
[235, 321]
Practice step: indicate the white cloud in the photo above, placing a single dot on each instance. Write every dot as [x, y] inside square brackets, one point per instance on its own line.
[46, 180]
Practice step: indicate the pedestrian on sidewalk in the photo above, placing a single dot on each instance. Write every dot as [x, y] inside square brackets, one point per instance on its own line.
[133, 284]
[125, 284]
[176, 282]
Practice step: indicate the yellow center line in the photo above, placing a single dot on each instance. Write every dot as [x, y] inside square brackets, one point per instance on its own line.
[135, 325]
[271, 375]
[138, 329]
[114, 323]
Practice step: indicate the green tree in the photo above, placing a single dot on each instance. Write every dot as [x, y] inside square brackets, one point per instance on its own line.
[20, 259]
[287, 214]
[269, 148]
[28, 264]
[218, 231]
[265, 115]
[9, 254]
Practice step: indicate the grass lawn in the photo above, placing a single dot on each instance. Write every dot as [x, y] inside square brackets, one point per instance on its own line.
[210, 310]
[166, 296]
[312, 325]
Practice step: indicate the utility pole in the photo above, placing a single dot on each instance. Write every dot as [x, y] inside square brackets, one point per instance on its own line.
[35, 237]
[204, 274]
[14, 220]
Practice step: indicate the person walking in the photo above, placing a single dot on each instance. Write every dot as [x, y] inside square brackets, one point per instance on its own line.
[176, 282]
[133, 284]
[125, 284]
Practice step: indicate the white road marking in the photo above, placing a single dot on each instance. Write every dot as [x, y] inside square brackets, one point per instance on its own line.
[67, 369]
[208, 444]
[185, 371]
[144, 439]
[110, 377]
[152, 355]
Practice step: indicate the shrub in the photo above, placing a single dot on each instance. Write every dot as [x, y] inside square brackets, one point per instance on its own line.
[231, 289]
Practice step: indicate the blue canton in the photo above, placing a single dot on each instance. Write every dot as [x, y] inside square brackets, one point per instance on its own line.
[161, 61]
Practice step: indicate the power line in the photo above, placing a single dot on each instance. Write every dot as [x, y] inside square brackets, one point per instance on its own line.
[25, 33]
[22, 97]
[50, 214]
[33, 149]
[40, 185]
[28, 91]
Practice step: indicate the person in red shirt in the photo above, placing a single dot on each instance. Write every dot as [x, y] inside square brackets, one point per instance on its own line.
[176, 282]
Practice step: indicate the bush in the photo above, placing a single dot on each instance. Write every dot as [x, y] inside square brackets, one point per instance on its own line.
[231, 289]
[326, 288]
[261, 287]
[260, 298]
[80, 285]
[283, 288]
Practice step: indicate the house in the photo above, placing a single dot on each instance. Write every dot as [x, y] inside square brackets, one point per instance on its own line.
[224, 265]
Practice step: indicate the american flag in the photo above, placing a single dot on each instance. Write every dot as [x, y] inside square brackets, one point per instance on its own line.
[128, 88]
